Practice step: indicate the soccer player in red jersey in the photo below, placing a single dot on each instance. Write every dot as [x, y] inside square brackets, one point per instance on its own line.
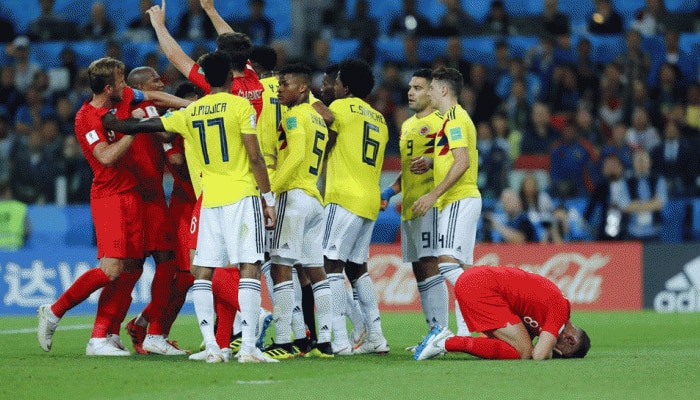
[510, 307]
[237, 45]
[148, 165]
[115, 203]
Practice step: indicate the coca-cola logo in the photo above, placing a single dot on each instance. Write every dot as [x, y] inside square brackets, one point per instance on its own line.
[574, 273]
[393, 279]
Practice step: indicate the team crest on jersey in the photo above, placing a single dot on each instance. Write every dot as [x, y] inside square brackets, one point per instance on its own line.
[424, 130]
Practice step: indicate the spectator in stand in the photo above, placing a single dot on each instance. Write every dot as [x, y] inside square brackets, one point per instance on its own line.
[34, 170]
[7, 30]
[139, 29]
[194, 24]
[610, 195]
[516, 107]
[541, 211]
[647, 197]
[605, 19]
[498, 22]
[518, 228]
[99, 26]
[24, 68]
[565, 95]
[486, 99]
[7, 143]
[611, 108]
[674, 160]
[453, 51]
[502, 66]
[652, 20]
[319, 59]
[668, 90]
[503, 137]
[80, 91]
[685, 65]
[555, 22]
[360, 26]
[49, 26]
[63, 77]
[540, 61]
[10, 97]
[587, 71]
[410, 22]
[635, 61]
[392, 81]
[618, 146]
[457, 22]
[258, 26]
[588, 128]
[51, 138]
[77, 172]
[517, 71]
[642, 135]
[493, 163]
[411, 61]
[677, 115]
[29, 115]
[639, 97]
[572, 159]
[541, 135]
[65, 115]
[692, 110]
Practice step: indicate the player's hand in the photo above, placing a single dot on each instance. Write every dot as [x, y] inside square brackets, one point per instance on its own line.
[383, 204]
[420, 165]
[270, 217]
[138, 113]
[157, 15]
[423, 204]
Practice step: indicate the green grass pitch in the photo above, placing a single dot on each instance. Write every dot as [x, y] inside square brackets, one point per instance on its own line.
[634, 355]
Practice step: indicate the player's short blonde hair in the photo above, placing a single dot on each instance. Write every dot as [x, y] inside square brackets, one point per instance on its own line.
[102, 73]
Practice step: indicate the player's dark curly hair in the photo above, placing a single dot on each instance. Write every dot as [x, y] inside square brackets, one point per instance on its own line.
[357, 76]
[300, 69]
[237, 45]
[216, 66]
[451, 77]
[426, 73]
[186, 89]
[266, 56]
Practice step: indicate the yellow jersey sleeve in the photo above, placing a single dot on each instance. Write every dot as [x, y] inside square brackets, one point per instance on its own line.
[458, 131]
[302, 143]
[417, 140]
[268, 123]
[355, 162]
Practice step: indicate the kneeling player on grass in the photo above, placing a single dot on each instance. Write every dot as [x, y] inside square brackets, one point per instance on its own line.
[510, 307]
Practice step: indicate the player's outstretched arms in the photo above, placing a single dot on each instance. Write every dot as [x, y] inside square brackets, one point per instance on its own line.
[220, 25]
[132, 126]
[167, 43]
[163, 99]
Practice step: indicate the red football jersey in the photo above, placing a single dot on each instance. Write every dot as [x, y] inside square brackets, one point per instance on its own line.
[148, 158]
[538, 301]
[182, 188]
[247, 86]
[118, 178]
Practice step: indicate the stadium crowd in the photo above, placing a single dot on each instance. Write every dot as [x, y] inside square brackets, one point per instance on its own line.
[567, 91]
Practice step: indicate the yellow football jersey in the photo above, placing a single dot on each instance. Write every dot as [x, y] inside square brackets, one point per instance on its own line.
[355, 162]
[214, 126]
[269, 121]
[457, 131]
[300, 148]
[417, 140]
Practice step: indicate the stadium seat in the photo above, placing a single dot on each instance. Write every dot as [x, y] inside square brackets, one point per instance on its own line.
[523, 8]
[431, 9]
[20, 12]
[479, 10]
[341, 49]
[88, 51]
[47, 54]
[383, 11]
[519, 45]
[77, 11]
[681, 6]
[390, 49]
[429, 48]
[605, 48]
[480, 50]
[577, 10]
[280, 12]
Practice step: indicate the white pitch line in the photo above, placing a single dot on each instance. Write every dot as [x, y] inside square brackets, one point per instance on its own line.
[32, 330]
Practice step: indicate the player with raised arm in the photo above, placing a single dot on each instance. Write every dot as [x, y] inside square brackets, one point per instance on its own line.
[301, 144]
[455, 193]
[510, 307]
[237, 45]
[419, 234]
[115, 203]
[232, 219]
[352, 201]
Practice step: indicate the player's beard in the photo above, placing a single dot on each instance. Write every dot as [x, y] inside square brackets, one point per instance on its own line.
[116, 97]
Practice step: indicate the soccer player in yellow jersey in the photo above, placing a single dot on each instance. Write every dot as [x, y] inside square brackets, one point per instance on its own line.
[352, 200]
[455, 170]
[301, 145]
[221, 127]
[419, 234]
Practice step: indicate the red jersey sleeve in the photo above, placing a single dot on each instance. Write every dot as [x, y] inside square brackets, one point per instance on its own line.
[91, 135]
[196, 76]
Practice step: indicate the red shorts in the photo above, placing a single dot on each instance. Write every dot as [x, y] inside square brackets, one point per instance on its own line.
[119, 225]
[181, 214]
[482, 306]
[159, 232]
[194, 223]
